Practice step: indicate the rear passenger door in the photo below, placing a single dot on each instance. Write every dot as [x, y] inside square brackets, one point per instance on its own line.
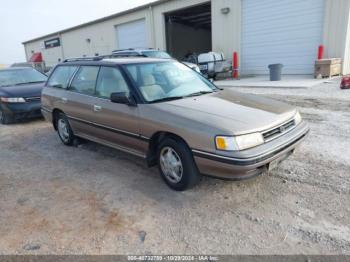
[80, 99]
[54, 94]
[119, 122]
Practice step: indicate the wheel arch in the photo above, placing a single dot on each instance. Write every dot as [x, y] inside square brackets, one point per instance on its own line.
[154, 141]
[55, 113]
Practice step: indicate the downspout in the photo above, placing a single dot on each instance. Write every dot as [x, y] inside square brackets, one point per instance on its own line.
[62, 49]
[26, 52]
[153, 38]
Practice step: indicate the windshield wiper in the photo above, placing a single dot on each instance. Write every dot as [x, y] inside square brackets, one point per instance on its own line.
[26, 83]
[200, 93]
[165, 99]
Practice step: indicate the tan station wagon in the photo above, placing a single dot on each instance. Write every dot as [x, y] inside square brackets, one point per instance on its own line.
[173, 117]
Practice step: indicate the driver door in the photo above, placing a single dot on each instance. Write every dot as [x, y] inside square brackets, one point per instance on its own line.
[118, 123]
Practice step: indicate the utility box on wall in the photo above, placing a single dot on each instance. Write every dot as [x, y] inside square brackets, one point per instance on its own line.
[328, 67]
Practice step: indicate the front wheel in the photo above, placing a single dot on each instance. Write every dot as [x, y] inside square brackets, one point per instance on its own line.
[64, 130]
[176, 165]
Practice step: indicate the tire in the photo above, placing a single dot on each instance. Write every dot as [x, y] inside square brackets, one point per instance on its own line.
[174, 155]
[64, 130]
[5, 119]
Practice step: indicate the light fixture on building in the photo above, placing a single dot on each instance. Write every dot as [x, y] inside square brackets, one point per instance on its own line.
[88, 40]
[225, 10]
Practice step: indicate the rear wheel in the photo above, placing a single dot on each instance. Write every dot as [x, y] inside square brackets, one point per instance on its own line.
[176, 165]
[64, 130]
[5, 119]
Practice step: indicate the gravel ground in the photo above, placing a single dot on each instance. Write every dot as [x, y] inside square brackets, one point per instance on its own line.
[92, 199]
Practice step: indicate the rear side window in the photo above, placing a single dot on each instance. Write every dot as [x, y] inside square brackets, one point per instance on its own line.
[61, 76]
[85, 80]
[110, 80]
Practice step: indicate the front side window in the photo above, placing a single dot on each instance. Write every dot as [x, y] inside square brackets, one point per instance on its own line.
[110, 80]
[15, 77]
[85, 80]
[166, 80]
[61, 76]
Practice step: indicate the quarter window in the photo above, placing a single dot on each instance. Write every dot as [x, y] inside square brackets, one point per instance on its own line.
[110, 80]
[61, 76]
[85, 80]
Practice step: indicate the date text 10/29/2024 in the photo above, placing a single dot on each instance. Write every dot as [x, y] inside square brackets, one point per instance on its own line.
[173, 258]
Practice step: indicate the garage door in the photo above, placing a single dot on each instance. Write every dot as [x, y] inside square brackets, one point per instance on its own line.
[131, 35]
[284, 31]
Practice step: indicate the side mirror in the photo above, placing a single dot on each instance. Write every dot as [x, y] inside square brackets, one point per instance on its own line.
[122, 98]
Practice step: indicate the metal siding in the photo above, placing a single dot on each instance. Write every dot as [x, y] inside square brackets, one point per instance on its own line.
[159, 20]
[337, 31]
[102, 32]
[102, 36]
[226, 28]
[131, 35]
[50, 55]
[346, 63]
[285, 31]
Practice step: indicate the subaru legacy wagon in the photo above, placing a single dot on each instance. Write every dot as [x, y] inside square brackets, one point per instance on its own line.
[171, 116]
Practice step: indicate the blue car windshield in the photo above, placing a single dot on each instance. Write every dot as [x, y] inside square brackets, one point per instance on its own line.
[12, 77]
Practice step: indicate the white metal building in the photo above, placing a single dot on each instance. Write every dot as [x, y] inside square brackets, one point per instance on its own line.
[261, 31]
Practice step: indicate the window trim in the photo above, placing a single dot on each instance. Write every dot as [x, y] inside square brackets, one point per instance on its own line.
[76, 73]
[134, 92]
[122, 74]
[69, 80]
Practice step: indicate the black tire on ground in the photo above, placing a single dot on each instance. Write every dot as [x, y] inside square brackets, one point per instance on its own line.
[64, 130]
[5, 119]
[190, 175]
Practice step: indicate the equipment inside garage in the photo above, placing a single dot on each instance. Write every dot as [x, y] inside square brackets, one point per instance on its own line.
[189, 30]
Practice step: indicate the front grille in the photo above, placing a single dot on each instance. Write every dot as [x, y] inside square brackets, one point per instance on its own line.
[32, 99]
[274, 133]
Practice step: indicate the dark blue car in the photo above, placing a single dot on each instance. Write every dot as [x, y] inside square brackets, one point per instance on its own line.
[20, 94]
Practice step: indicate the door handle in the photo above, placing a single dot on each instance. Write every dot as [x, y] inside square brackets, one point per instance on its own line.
[97, 108]
[64, 100]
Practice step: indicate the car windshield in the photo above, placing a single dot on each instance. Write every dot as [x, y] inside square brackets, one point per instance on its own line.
[13, 77]
[157, 54]
[165, 81]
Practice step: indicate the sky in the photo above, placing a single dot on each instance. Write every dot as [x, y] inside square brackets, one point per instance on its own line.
[22, 20]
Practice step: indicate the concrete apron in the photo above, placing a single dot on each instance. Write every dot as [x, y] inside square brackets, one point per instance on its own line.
[288, 81]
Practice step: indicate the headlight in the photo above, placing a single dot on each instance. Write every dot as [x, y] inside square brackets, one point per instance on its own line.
[238, 143]
[297, 118]
[13, 100]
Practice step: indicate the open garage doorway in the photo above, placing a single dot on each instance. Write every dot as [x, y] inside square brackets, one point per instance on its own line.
[188, 31]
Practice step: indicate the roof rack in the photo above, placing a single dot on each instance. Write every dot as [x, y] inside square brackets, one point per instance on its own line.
[77, 59]
[125, 49]
[122, 55]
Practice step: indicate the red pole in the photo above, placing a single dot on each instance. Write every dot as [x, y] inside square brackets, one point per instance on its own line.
[320, 52]
[235, 65]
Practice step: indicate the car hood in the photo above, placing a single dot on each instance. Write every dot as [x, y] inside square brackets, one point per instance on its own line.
[29, 90]
[232, 111]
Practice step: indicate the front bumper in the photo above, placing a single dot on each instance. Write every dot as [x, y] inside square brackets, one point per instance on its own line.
[22, 110]
[249, 163]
